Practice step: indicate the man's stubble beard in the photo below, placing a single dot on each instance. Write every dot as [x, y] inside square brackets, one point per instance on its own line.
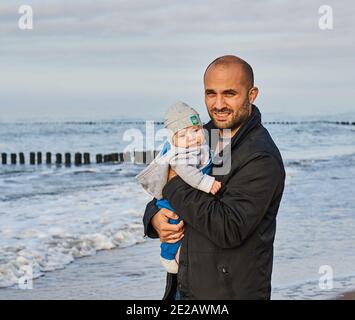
[238, 119]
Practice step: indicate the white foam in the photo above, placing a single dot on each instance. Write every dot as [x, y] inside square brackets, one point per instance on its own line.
[48, 232]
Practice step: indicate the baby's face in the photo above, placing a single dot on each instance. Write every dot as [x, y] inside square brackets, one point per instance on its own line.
[189, 137]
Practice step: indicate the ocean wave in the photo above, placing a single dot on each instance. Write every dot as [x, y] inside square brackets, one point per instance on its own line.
[345, 158]
[58, 250]
[89, 171]
[304, 162]
[12, 172]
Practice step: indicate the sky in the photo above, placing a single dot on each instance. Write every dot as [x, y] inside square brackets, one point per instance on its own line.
[133, 59]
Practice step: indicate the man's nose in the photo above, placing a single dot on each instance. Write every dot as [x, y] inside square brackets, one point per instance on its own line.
[219, 103]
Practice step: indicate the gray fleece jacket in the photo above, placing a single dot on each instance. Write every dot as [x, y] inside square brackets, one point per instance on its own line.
[186, 162]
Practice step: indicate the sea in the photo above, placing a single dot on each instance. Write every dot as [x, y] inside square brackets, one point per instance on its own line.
[51, 215]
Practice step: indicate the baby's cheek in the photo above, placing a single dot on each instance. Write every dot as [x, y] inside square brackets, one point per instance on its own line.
[182, 142]
[202, 136]
[188, 141]
[200, 140]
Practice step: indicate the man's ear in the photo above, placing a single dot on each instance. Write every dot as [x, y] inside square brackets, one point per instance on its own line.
[253, 93]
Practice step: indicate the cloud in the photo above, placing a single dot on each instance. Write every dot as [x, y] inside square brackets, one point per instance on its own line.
[160, 48]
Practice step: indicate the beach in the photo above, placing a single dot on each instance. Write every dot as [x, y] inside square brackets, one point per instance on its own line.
[347, 296]
[131, 273]
[119, 274]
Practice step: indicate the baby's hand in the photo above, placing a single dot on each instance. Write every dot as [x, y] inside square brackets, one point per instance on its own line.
[215, 187]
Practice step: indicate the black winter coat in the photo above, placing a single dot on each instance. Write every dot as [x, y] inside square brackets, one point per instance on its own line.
[227, 249]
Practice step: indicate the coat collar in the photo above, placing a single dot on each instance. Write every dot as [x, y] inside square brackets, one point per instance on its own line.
[253, 121]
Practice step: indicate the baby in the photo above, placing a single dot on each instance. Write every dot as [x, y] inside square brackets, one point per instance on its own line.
[188, 154]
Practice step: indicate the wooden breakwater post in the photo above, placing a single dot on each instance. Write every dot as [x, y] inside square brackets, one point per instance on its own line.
[99, 158]
[13, 158]
[111, 157]
[58, 158]
[143, 157]
[4, 158]
[78, 159]
[32, 158]
[138, 157]
[67, 159]
[107, 158]
[86, 158]
[127, 157]
[39, 157]
[132, 156]
[22, 158]
[48, 158]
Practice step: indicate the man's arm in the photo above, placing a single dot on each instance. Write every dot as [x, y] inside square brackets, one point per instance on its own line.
[156, 223]
[150, 210]
[228, 221]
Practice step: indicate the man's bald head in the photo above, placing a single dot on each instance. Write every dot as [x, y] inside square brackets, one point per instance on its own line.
[229, 92]
[228, 60]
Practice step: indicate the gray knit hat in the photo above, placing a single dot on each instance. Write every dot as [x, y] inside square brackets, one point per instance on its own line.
[180, 116]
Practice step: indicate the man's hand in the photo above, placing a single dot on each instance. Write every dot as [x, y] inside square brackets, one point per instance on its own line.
[167, 232]
[216, 187]
[171, 174]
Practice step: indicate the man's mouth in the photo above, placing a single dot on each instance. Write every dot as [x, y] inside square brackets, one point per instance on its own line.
[221, 116]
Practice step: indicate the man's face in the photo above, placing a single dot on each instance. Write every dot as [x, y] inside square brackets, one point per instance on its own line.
[227, 96]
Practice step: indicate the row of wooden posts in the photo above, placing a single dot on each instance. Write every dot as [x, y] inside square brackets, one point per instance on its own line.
[137, 157]
[347, 123]
[85, 158]
[162, 123]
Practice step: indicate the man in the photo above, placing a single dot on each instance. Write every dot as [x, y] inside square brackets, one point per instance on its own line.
[227, 239]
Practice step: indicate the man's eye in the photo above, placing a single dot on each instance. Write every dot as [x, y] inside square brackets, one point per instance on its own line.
[230, 94]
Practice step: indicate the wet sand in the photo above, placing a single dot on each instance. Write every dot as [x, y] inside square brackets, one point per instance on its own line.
[127, 273]
[123, 273]
[347, 296]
